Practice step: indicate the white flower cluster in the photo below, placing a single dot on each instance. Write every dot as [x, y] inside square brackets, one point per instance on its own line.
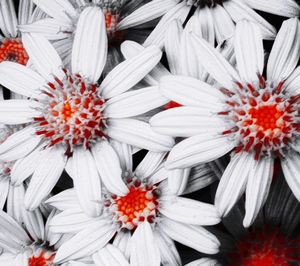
[86, 93]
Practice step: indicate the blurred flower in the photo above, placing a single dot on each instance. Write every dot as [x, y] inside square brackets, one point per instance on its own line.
[212, 20]
[69, 113]
[61, 26]
[257, 118]
[144, 221]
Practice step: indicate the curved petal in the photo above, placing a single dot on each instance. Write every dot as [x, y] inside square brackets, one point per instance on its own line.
[4, 187]
[178, 180]
[89, 56]
[8, 19]
[139, 134]
[110, 256]
[109, 168]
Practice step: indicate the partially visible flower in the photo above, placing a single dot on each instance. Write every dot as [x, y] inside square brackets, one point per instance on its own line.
[61, 26]
[258, 118]
[142, 223]
[69, 113]
[215, 20]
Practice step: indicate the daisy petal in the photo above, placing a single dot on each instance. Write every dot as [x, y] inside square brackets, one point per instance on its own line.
[146, 13]
[189, 211]
[285, 52]
[192, 92]
[86, 242]
[61, 10]
[139, 134]
[149, 164]
[290, 167]
[292, 83]
[110, 256]
[25, 11]
[248, 38]
[143, 248]
[258, 186]
[198, 237]
[178, 180]
[198, 149]
[168, 251]
[45, 176]
[19, 144]
[122, 242]
[187, 122]
[215, 63]
[287, 8]
[109, 168]
[20, 79]
[133, 103]
[14, 112]
[233, 182]
[128, 73]
[86, 181]
[8, 19]
[89, 56]
[43, 55]
[203, 262]
[67, 199]
[240, 11]
[125, 152]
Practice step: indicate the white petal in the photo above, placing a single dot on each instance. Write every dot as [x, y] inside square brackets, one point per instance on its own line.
[50, 28]
[233, 182]
[20, 79]
[157, 36]
[223, 24]
[86, 242]
[70, 221]
[285, 52]
[198, 149]
[139, 134]
[125, 152]
[4, 185]
[149, 164]
[25, 11]
[215, 63]
[23, 168]
[65, 200]
[178, 180]
[17, 111]
[290, 167]
[110, 256]
[168, 251]
[192, 92]
[109, 168]
[122, 242]
[134, 103]
[286, 8]
[189, 211]
[147, 12]
[19, 144]
[206, 22]
[249, 50]
[128, 73]
[86, 181]
[31, 220]
[143, 248]
[203, 262]
[258, 186]
[89, 56]
[187, 122]
[45, 176]
[43, 55]
[62, 10]
[239, 11]
[8, 19]
[292, 83]
[192, 236]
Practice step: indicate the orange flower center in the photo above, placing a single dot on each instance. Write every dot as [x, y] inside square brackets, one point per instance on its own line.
[41, 260]
[13, 50]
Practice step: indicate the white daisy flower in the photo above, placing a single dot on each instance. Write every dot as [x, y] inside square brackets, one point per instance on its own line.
[61, 25]
[257, 118]
[217, 17]
[68, 112]
[142, 223]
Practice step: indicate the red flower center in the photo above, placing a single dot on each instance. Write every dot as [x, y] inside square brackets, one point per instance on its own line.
[41, 260]
[13, 50]
[138, 205]
[263, 118]
[264, 248]
[72, 113]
